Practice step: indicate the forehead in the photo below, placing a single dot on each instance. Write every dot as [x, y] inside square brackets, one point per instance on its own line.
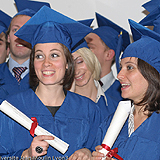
[2, 35]
[129, 60]
[92, 36]
[20, 20]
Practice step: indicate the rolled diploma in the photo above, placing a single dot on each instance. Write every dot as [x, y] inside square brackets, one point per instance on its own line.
[116, 124]
[26, 122]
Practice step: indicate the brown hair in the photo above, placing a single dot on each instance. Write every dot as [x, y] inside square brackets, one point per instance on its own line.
[152, 96]
[69, 75]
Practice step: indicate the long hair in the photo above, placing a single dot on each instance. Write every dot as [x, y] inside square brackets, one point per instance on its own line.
[152, 96]
[69, 74]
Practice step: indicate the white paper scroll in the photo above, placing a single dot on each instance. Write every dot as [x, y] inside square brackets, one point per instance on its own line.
[26, 122]
[116, 124]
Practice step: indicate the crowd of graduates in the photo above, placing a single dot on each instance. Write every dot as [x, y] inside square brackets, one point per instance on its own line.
[59, 71]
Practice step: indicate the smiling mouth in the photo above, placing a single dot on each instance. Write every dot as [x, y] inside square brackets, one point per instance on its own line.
[48, 72]
[77, 78]
[124, 85]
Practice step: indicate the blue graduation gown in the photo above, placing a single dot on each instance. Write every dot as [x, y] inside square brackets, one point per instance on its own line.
[76, 123]
[144, 143]
[114, 91]
[107, 109]
[8, 83]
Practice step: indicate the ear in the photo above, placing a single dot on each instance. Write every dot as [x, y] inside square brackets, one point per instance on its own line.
[66, 66]
[110, 54]
[8, 39]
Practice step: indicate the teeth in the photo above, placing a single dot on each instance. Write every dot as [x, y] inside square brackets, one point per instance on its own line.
[19, 45]
[48, 72]
[124, 85]
[79, 77]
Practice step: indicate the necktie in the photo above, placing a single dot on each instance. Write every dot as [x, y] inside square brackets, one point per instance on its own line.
[101, 83]
[18, 71]
[131, 122]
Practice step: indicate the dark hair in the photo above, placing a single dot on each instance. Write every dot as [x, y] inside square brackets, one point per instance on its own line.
[69, 75]
[152, 96]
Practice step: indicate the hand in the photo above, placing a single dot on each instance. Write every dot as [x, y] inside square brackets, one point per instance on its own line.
[81, 154]
[96, 155]
[37, 141]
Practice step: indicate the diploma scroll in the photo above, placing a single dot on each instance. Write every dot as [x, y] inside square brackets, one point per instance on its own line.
[116, 124]
[26, 122]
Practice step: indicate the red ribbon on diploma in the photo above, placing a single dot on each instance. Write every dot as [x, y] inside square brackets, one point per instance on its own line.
[112, 153]
[33, 126]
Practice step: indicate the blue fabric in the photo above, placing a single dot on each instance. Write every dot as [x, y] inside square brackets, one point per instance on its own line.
[34, 5]
[108, 31]
[76, 122]
[144, 143]
[27, 12]
[114, 91]
[151, 5]
[8, 83]
[107, 110]
[48, 25]
[5, 20]
[152, 19]
[147, 49]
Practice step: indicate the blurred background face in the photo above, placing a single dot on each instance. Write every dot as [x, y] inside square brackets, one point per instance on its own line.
[50, 63]
[3, 50]
[96, 46]
[82, 74]
[19, 49]
[133, 84]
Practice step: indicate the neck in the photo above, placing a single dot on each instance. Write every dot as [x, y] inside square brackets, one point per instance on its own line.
[139, 116]
[89, 90]
[50, 95]
[105, 71]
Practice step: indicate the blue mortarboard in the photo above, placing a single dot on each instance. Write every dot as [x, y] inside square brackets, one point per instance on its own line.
[87, 22]
[27, 12]
[152, 19]
[82, 43]
[145, 47]
[48, 25]
[5, 20]
[151, 5]
[138, 30]
[109, 32]
[33, 5]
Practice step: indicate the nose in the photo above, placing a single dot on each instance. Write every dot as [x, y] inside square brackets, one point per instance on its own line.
[47, 62]
[120, 75]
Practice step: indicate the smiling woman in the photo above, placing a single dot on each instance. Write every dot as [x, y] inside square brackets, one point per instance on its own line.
[69, 116]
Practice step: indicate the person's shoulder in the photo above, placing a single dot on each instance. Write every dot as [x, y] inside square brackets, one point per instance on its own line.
[18, 96]
[80, 100]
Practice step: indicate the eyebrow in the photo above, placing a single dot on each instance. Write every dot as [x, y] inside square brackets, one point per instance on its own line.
[50, 50]
[1, 40]
[77, 58]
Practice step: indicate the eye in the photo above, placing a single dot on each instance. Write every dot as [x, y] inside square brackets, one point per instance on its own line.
[38, 56]
[54, 55]
[129, 67]
[14, 29]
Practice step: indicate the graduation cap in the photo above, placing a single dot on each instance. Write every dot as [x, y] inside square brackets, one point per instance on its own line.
[5, 20]
[146, 46]
[33, 5]
[152, 19]
[151, 5]
[87, 22]
[50, 26]
[109, 32]
[82, 43]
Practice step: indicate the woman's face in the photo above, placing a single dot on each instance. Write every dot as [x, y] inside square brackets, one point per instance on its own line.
[82, 74]
[50, 63]
[133, 84]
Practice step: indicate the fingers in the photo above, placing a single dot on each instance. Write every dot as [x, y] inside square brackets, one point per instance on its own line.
[82, 154]
[39, 141]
